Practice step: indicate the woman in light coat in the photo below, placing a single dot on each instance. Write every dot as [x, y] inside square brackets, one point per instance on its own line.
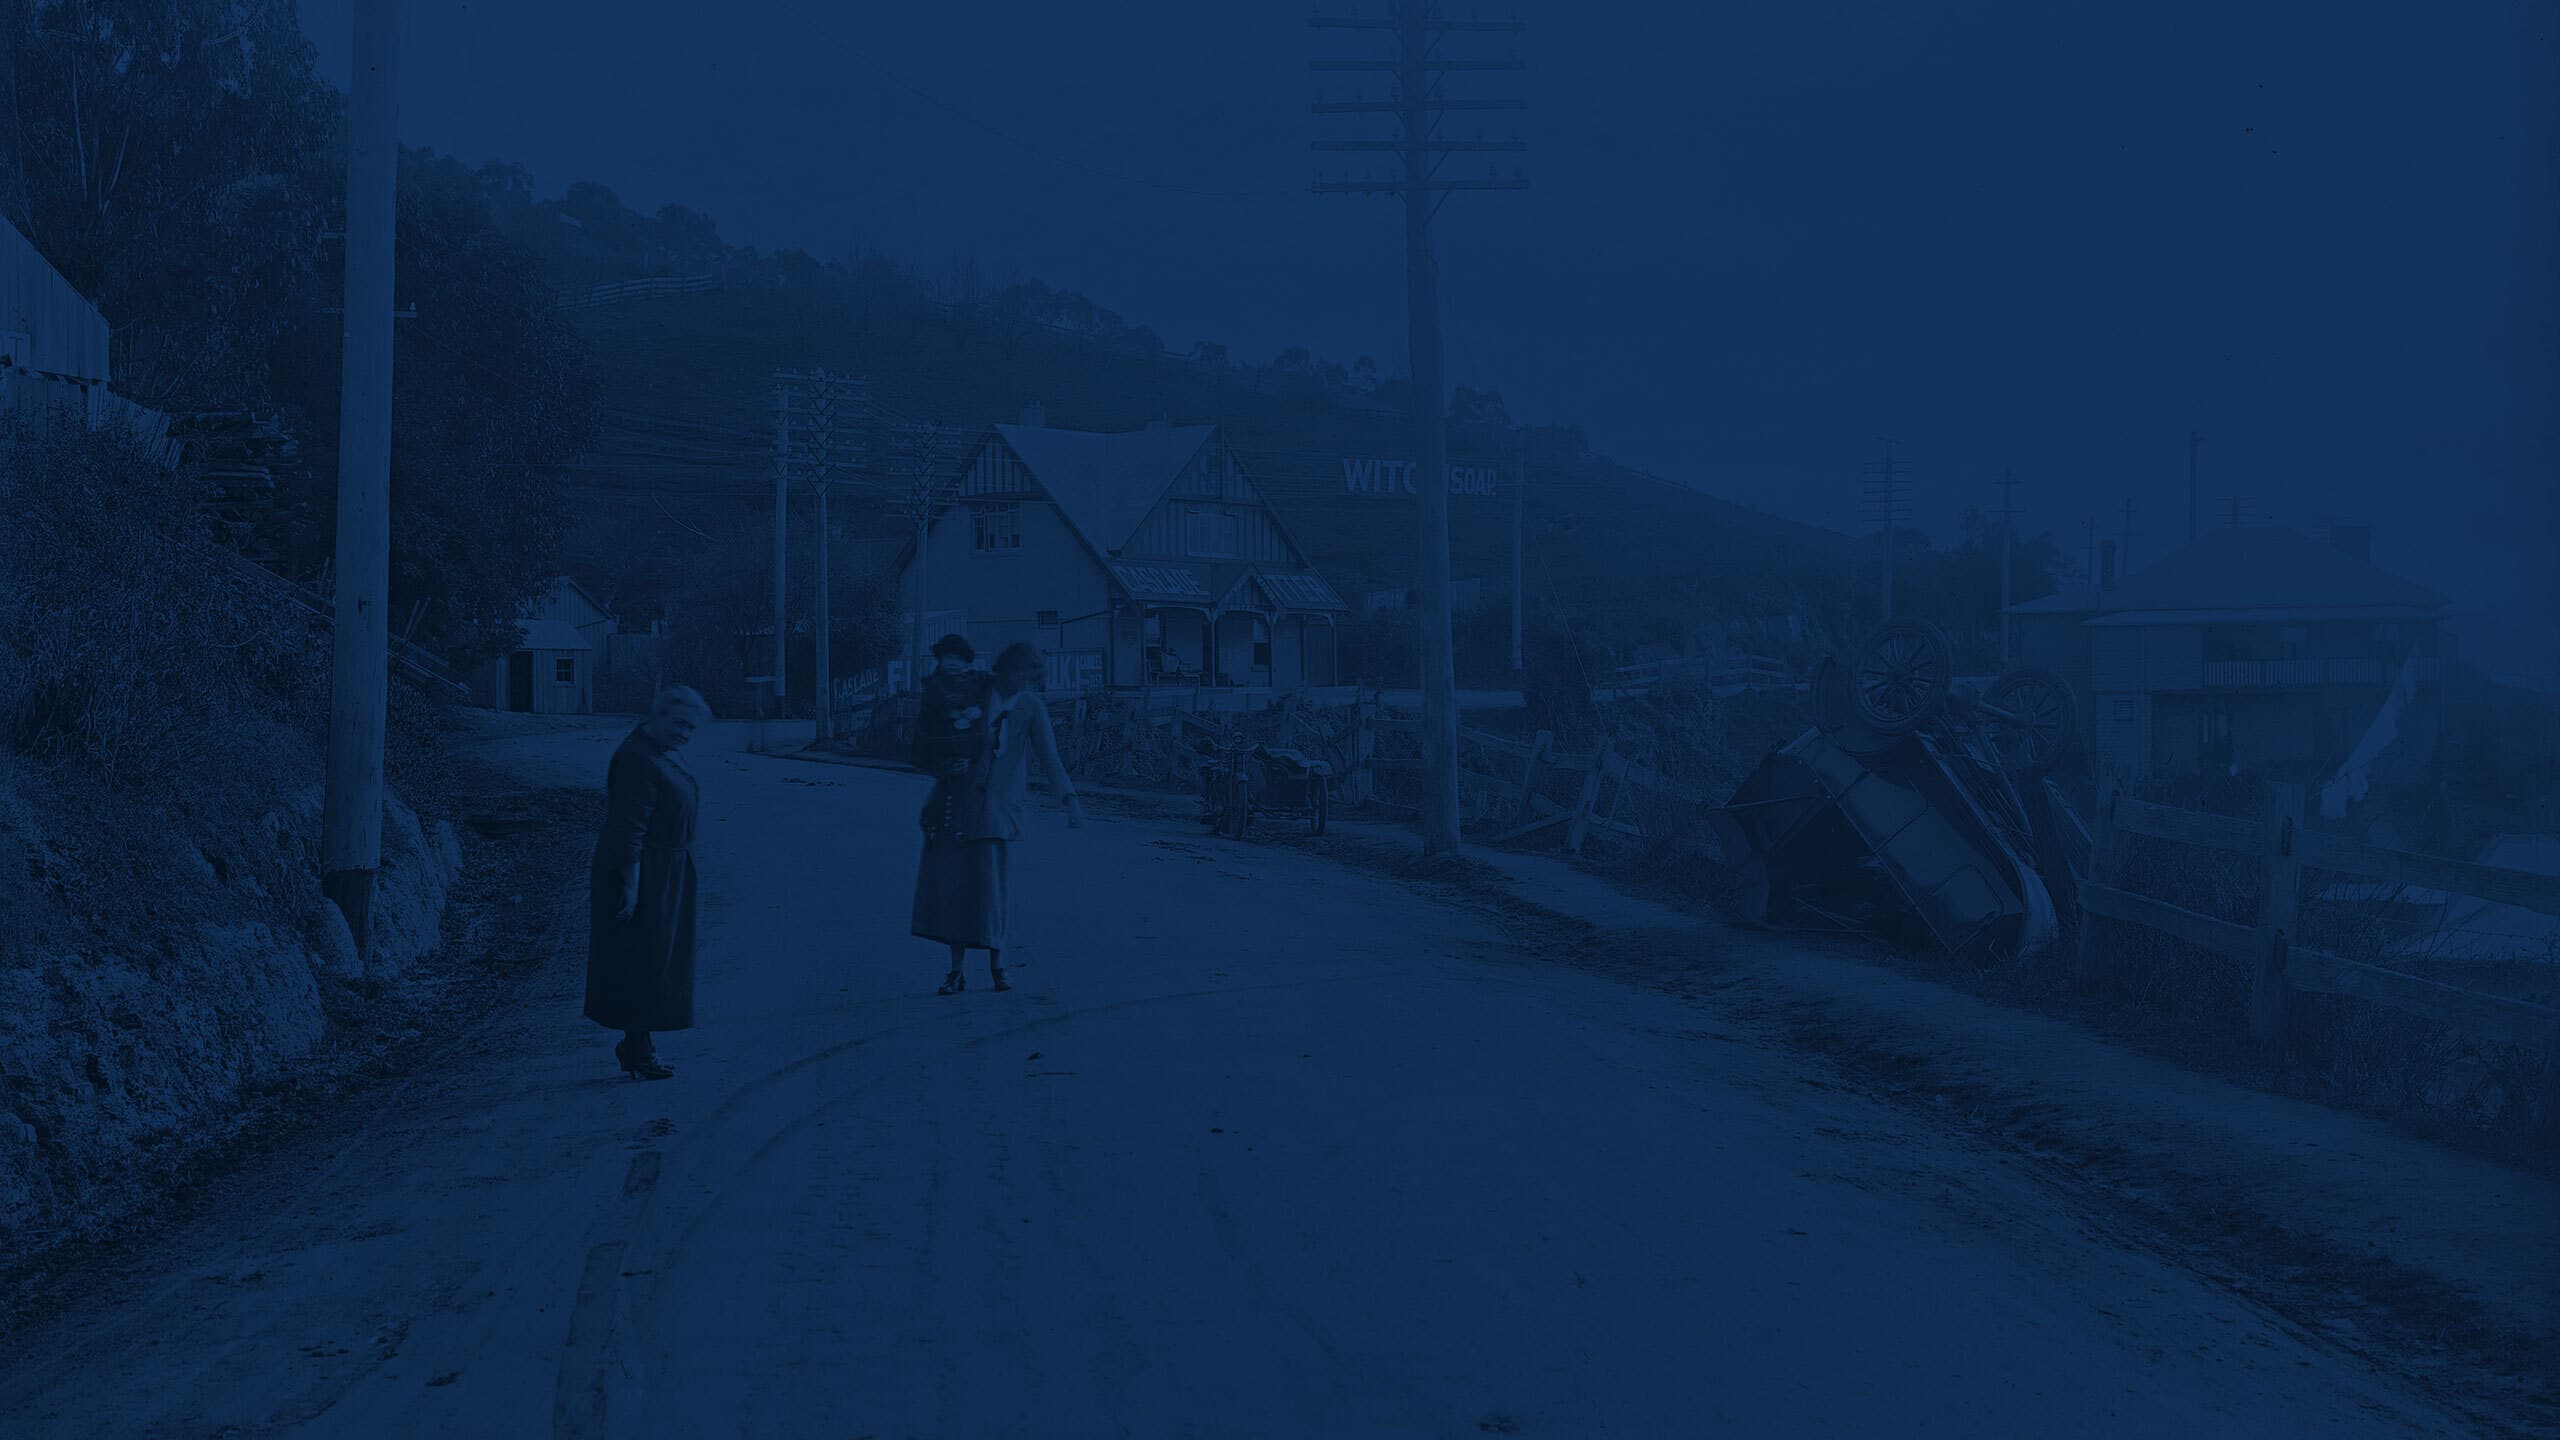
[962, 880]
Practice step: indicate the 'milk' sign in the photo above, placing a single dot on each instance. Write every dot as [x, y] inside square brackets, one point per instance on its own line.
[1395, 477]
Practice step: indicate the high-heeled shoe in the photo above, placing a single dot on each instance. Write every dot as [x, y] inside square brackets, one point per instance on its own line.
[953, 984]
[996, 980]
[640, 1066]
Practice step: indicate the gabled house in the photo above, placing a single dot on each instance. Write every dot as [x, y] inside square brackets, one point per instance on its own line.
[552, 671]
[1140, 558]
[2254, 649]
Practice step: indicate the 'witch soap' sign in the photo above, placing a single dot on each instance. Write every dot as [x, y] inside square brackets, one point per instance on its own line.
[1395, 477]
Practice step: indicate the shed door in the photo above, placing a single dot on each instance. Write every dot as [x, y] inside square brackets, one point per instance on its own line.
[520, 680]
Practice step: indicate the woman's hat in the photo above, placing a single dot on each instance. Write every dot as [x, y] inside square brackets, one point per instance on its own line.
[953, 645]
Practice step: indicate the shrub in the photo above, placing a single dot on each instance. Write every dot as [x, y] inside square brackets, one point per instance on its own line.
[126, 643]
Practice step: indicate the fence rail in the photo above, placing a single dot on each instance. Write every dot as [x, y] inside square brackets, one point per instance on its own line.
[2304, 671]
[621, 290]
[2280, 968]
[421, 664]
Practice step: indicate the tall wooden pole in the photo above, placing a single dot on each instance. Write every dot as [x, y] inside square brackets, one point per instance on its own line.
[1440, 819]
[824, 690]
[2008, 522]
[781, 536]
[1417, 105]
[823, 695]
[360, 642]
[2195, 495]
[1519, 573]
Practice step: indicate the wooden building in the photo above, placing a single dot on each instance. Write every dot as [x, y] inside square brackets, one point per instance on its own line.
[1134, 559]
[54, 354]
[553, 670]
[2255, 650]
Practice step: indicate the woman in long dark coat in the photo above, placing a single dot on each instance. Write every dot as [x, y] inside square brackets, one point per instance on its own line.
[643, 891]
[961, 881]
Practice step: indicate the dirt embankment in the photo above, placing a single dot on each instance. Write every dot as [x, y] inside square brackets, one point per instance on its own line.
[161, 969]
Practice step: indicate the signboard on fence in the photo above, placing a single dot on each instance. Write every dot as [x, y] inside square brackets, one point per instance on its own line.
[1396, 477]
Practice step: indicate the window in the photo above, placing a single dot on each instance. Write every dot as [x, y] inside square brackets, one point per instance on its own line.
[1213, 533]
[997, 528]
[565, 670]
[1046, 619]
[1261, 643]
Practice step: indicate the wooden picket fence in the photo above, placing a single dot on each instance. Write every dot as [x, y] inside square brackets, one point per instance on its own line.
[2278, 967]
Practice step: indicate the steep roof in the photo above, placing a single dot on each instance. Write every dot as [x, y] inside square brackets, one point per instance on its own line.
[551, 635]
[563, 585]
[1106, 484]
[2267, 569]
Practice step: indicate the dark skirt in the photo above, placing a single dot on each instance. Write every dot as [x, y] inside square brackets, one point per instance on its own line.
[640, 970]
[960, 890]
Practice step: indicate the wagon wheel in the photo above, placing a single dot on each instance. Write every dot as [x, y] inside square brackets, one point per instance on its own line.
[1837, 715]
[2029, 715]
[1213, 799]
[1899, 682]
[1319, 801]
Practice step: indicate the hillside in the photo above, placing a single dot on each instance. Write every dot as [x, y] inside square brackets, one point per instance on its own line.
[685, 452]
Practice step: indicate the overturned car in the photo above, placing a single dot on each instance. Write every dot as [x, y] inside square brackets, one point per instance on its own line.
[1914, 809]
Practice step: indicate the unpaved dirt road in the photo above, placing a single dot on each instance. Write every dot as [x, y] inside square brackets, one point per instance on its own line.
[1257, 1146]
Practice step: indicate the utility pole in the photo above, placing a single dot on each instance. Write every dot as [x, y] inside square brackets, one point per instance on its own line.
[781, 542]
[1519, 573]
[1418, 103]
[2089, 557]
[2195, 496]
[818, 449]
[924, 460]
[2008, 522]
[1884, 495]
[360, 633]
[822, 694]
[2124, 544]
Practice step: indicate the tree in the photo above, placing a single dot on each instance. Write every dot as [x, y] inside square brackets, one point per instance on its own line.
[491, 399]
[158, 156]
[1364, 375]
[1480, 409]
[689, 239]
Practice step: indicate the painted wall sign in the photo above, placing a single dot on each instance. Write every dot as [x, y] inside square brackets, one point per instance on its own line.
[1395, 477]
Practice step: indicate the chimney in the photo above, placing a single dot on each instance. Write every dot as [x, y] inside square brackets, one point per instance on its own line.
[2106, 565]
[2355, 540]
[1035, 416]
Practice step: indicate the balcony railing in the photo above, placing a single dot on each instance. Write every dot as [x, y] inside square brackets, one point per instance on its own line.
[2304, 673]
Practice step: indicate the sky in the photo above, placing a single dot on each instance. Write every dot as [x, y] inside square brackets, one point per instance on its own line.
[1759, 239]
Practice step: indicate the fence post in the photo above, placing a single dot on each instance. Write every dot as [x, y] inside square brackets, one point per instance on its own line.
[2104, 843]
[1590, 797]
[2270, 996]
[1361, 785]
[1539, 750]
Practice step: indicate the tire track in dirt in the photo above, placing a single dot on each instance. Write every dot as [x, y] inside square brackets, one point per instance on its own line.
[655, 1231]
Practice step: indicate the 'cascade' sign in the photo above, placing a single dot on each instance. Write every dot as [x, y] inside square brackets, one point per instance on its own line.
[1395, 477]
